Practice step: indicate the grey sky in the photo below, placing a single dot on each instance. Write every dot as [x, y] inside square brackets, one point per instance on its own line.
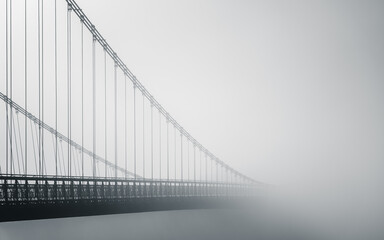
[284, 91]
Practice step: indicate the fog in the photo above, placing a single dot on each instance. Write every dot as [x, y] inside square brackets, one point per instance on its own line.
[283, 91]
[289, 93]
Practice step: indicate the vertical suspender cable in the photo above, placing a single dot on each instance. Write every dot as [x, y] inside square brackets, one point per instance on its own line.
[33, 144]
[159, 145]
[227, 182]
[194, 164]
[221, 171]
[105, 113]
[62, 155]
[151, 147]
[6, 89]
[69, 86]
[201, 173]
[217, 172]
[79, 163]
[134, 130]
[211, 169]
[234, 178]
[82, 98]
[115, 120]
[11, 82]
[25, 89]
[223, 175]
[217, 177]
[74, 165]
[174, 148]
[200, 165]
[143, 137]
[151, 140]
[37, 166]
[56, 154]
[168, 159]
[21, 145]
[181, 156]
[39, 65]
[94, 105]
[42, 87]
[168, 154]
[167, 148]
[55, 150]
[16, 147]
[206, 171]
[188, 159]
[125, 125]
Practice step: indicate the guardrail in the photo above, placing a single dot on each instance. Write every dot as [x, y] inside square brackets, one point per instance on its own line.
[19, 189]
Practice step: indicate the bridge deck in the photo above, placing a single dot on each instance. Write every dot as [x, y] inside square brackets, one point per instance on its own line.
[34, 197]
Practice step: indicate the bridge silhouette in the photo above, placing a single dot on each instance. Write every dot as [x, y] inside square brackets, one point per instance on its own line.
[79, 139]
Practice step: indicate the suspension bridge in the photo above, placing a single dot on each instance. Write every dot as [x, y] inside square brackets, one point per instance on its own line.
[81, 135]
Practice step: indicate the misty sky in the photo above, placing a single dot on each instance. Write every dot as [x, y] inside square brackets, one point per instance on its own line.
[284, 91]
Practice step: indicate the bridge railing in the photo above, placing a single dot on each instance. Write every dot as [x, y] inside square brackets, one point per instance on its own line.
[16, 190]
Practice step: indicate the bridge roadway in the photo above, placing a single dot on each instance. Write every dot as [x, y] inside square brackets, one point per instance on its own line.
[38, 197]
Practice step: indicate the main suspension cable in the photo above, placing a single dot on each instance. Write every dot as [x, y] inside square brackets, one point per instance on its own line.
[134, 80]
[60, 135]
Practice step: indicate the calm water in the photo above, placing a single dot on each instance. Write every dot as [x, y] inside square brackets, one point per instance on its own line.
[273, 219]
[189, 224]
